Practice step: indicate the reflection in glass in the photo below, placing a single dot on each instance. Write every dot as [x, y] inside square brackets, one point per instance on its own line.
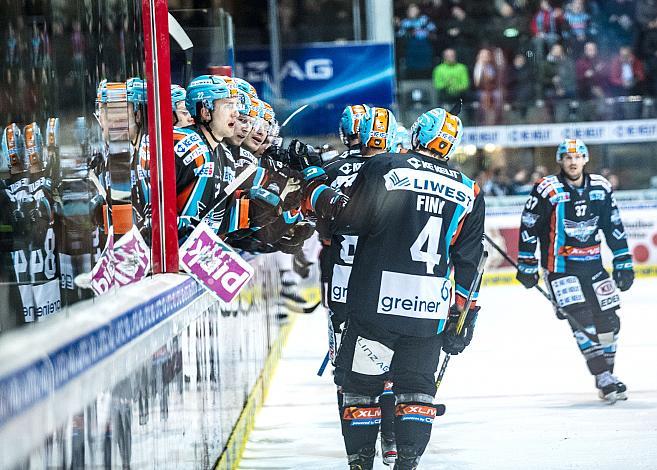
[73, 143]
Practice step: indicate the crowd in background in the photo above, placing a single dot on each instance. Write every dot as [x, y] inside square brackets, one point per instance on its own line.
[566, 58]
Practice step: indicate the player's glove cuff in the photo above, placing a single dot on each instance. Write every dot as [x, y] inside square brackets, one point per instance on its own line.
[623, 262]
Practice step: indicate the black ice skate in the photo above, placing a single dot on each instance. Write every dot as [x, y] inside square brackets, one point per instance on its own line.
[388, 449]
[607, 387]
[408, 458]
[621, 392]
[363, 460]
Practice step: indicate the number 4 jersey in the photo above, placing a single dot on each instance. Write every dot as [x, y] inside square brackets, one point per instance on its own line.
[416, 221]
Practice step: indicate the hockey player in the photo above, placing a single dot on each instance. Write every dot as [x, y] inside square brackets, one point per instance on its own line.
[416, 220]
[140, 154]
[338, 251]
[181, 116]
[203, 168]
[204, 155]
[565, 214]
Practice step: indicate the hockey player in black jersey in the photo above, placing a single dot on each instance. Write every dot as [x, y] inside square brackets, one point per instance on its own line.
[565, 214]
[417, 221]
[338, 251]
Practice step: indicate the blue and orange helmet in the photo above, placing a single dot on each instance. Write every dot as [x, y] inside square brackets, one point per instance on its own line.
[437, 131]
[378, 128]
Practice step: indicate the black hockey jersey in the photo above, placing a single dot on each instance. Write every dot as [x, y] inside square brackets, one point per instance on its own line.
[415, 219]
[338, 252]
[566, 221]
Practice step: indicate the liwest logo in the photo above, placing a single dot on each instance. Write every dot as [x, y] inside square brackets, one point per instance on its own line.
[420, 181]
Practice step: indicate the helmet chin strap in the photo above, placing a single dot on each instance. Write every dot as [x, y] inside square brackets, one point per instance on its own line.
[206, 125]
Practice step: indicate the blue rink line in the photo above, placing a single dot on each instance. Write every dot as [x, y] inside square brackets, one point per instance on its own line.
[30, 384]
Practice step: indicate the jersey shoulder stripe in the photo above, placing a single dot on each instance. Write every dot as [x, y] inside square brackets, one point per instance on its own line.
[599, 180]
[549, 186]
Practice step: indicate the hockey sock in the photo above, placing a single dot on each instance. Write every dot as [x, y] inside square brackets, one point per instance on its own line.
[360, 420]
[593, 353]
[413, 421]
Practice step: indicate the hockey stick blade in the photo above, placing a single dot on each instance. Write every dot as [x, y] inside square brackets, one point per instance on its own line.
[573, 321]
[297, 111]
[322, 368]
[296, 308]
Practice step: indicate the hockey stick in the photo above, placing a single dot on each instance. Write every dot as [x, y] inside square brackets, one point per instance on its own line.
[464, 312]
[295, 308]
[297, 111]
[572, 320]
[322, 368]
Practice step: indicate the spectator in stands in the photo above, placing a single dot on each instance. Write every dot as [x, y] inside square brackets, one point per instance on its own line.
[648, 51]
[560, 82]
[547, 25]
[488, 79]
[617, 24]
[461, 35]
[626, 73]
[520, 84]
[646, 12]
[521, 184]
[497, 185]
[417, 32]
[451, 80]
[591, 73]
[579, 26]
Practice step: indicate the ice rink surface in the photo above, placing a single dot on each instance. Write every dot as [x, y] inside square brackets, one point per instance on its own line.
[520, 397]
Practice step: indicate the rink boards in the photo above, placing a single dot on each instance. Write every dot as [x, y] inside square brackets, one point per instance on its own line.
[156, 374]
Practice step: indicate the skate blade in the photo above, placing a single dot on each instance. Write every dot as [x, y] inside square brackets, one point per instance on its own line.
[610, 398]
[621, 396]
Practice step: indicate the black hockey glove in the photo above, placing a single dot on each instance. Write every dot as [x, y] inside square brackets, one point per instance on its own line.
[326, 202]
[454, 343]
[302, 156]
[527, 273]
[623, 272]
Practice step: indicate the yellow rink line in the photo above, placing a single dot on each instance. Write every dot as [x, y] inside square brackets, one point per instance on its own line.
[232, 453]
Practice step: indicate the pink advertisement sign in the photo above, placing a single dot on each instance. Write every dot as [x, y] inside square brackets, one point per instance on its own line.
[214, 264]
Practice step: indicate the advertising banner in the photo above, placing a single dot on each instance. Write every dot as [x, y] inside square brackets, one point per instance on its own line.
[214, 264]
[541, 135]
[325, 76]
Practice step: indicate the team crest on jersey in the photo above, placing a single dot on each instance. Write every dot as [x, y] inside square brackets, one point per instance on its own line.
[581, 231]
[205, 171]
[529, 219]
